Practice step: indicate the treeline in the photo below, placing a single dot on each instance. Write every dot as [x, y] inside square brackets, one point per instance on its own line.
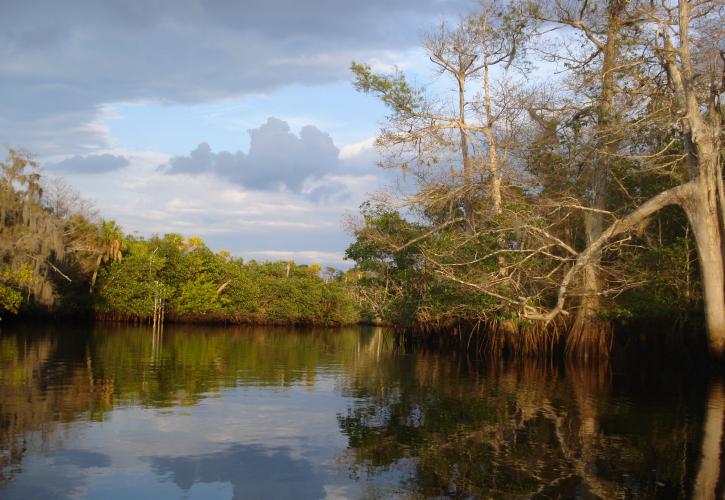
[545, 210]
[57, 257]
[195, 284]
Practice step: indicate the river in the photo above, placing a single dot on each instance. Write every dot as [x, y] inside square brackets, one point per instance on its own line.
[120, 412]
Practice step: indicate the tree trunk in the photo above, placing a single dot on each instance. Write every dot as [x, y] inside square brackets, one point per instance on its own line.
[492, 153]
[701, 139]
[702, 211]
[467, 173]
[590, 333]
[95, 273]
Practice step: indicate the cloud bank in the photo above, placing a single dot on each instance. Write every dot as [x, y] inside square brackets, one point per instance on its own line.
[89, 164]
[62, 61]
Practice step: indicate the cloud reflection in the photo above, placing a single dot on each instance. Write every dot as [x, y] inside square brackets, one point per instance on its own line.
[253, 470]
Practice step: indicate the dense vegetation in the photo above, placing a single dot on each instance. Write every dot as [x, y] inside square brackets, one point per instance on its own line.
[543, 211]
[198, 284]
[55, 257]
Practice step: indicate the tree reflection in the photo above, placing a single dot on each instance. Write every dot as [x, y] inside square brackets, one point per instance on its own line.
[526, 430]
[710, 481]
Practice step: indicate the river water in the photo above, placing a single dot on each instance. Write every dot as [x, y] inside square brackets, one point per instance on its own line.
[120, 412]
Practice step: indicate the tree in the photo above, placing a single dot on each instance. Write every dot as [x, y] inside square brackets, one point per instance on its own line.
[695, 87]
[602, 26]
[11, 285]
[640, 107]
[108, 243]
[31, 237]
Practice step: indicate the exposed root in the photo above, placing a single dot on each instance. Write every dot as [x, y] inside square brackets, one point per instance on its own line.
[494, 338]
[590, 336]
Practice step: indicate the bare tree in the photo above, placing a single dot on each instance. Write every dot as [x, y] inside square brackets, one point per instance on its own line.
[695, 88]
[640, 79]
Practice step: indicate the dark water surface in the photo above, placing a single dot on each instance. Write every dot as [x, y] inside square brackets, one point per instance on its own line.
[238, 413]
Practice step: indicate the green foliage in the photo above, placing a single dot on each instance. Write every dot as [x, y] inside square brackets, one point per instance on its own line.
[10, 299]
[670, 288]
[241, 298]
[11, 283]
[199, 285]
[197, 297]
[393, 90]
[393, 281]
[126, 289]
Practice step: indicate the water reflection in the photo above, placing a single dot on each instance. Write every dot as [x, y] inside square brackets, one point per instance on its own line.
[710, 481]
[254, 472]
[80, 458]
[252, 413]
[533, 430]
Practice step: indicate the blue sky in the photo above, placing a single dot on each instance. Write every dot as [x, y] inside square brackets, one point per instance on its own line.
[233, 121]
[336, 108]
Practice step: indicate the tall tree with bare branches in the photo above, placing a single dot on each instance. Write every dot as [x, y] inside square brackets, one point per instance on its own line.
[638, 80]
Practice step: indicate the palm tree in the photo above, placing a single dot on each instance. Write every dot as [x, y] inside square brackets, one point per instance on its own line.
[108, 241]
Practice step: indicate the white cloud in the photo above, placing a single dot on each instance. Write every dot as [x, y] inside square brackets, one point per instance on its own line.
[352, 151]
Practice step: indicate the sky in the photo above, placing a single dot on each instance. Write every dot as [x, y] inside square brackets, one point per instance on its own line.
[234, 121]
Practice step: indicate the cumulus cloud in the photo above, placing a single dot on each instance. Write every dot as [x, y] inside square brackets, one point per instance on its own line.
[89, 164]
[277, 160]
[276, 156]
[61, 61]
[359, 157]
